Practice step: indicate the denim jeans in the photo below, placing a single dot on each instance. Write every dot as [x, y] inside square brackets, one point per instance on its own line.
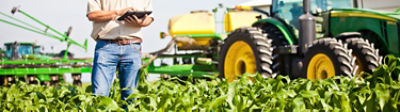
[108, 58]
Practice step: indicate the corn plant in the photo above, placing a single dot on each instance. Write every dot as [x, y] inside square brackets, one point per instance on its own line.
[379, 91]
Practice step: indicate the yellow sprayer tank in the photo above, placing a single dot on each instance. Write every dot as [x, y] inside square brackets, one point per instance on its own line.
[197, 22]
[237, 19]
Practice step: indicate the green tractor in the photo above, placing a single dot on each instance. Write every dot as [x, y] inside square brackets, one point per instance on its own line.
[310, 39]
[313, 39]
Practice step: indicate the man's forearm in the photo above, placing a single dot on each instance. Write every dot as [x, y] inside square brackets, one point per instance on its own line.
[102, 16]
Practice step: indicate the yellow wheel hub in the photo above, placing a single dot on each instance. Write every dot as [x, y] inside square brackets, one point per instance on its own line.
[239, 59]
[320, 67]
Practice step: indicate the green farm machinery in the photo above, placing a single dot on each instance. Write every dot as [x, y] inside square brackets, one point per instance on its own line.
[309, 48]
[312, 39]
[195, 44]
[22, 60]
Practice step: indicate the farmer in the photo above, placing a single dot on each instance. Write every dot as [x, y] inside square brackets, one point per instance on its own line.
[118, 43]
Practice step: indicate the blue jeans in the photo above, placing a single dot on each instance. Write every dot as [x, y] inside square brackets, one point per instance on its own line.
[108, 58]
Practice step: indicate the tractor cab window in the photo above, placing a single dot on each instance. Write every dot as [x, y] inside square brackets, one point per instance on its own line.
[8, 51]
[36, 50]
[21, 50]
[24, 50]
[290, 10]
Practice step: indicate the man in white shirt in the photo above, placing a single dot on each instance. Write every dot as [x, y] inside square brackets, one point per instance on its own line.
[118, 43]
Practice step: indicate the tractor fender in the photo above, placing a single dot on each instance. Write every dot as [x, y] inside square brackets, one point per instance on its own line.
[346, 35]
[285, 31]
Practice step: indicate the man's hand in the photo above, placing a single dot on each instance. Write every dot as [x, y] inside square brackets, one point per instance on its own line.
[104, 16]
[123, 11]
[135, 21]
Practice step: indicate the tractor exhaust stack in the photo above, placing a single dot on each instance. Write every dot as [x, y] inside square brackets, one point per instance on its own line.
[307, 27]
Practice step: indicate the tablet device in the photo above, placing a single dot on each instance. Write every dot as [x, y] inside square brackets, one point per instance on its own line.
[139, 14]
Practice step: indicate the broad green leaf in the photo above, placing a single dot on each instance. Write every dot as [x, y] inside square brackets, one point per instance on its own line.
[218, 102]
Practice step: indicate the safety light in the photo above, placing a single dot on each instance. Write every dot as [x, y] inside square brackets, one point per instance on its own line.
[163, 35]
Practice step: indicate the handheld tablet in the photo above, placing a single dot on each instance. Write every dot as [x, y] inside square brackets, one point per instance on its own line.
[139, 14]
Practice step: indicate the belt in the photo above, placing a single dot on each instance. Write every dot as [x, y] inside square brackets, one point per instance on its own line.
[123, 41]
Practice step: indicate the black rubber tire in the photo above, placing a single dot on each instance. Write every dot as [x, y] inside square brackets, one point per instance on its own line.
[2, 78]
[76, 79]
[69, 54]
[278, 39]
[378, 43]
[339, 54]
[187, 61]
[260, 45]
[31, 79]
[365, 53]
[275, 34]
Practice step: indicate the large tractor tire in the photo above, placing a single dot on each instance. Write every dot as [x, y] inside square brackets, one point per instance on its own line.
[367, 57]
[278, 39]
[327, 58]
[246, 50]
[2, 80]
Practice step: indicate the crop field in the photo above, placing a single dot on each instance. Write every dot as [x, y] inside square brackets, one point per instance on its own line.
[379, 91]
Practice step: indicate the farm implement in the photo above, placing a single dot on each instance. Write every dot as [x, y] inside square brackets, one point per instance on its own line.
[195, 42]
[22, 60]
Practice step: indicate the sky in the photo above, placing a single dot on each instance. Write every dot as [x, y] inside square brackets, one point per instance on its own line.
[60, 14]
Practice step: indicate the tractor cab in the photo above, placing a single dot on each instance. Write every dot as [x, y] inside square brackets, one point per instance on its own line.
[289, 8]
[288, 11]
[342, 19]
[18, 50]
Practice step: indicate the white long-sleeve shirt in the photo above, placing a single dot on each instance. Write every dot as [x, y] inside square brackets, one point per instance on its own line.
[117, 29]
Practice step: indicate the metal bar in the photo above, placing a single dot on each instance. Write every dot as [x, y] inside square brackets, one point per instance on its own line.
[180, 55]
[25, 23]
[66, 52]
[199, 35]
[306, 6]
[185, 70]
[25, 71]
[65, 37]
[77, 44]
[355, 4]
[32, 30]
[41, 23]
[5, 62]
[261, 11]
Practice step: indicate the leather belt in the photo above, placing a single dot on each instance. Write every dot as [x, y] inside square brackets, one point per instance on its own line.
[123, 41]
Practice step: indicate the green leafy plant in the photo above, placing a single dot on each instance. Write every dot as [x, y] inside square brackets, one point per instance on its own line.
[379, 91]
